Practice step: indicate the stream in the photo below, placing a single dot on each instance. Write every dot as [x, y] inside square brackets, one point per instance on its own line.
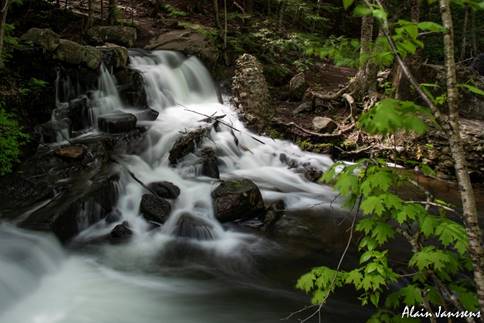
[235, 276]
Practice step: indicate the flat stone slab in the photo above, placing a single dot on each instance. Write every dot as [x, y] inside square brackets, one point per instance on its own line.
[118, 122]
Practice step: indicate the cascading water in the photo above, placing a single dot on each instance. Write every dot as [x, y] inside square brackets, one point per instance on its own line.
[129, 283]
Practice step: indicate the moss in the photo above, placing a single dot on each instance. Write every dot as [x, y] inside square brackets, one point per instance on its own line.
[323, 148]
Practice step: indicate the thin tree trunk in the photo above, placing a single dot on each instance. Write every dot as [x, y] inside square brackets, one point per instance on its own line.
[464, 34]
[457, 150]
[366, 39]
[3, 21]
[217, 14]
[102, 10]
[90, 12]
[282, 8]
[474, 32]
[225, 25]
[112, 8]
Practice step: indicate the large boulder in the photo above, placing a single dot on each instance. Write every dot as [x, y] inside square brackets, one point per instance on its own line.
[121, 35]
[237, 199]
[188, 42]
[250, 91]
[114, 56]
[117, 122]
[186, 144]
[44, 38]
[132, 88]
[154, 208]
[165, 189]
[75, 54]
[297, 87]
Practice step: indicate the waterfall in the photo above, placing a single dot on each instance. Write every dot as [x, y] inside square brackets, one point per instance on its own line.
[214, 280]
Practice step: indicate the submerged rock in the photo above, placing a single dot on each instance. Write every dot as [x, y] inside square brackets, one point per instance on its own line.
[154, 208]
[121, 232]
[117, 122]
[237, 200]
[132, 88]
[209, 163]
[120, 35]
[189, 226]
[165, 189]
[186, 144]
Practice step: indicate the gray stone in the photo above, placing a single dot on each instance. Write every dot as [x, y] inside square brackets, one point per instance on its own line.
[324, 124]
[117, 122]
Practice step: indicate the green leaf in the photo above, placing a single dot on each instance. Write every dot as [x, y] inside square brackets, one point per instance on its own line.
[412, 295]
[430, 26]
[373, 204]
[472, 89]
[347, 3]
[361, 11]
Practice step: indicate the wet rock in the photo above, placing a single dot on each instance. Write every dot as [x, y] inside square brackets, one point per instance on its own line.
[324, 124]
[113, 216]
[209, 163]
[297, 87]
[121, 232]
[186, 144]
[75, 210]
[154, 208]
[45, 38]
[165, 189]
[18, 192]
[75, 54]
[312, 174]
[70, 152]
[117, 122]
[147, 115]
[189, 226]
[188, 42]
[132, 88]
[237, 200]
[49, 131]
[250, 91]
[79, 113]
[121, 35]
[114, 56]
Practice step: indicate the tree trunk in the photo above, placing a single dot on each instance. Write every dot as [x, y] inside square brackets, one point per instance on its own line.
[457, 150]
[474, 34]
[282, 8]
[112, 8]
[3, 21]
[365, 68]
[217, 14]
[464, 34]
[101, 14]
[90, 13]
[225, 25]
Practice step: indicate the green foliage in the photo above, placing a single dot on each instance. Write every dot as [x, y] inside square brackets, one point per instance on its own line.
[11, 138]
[341, 50]
[389, 116]
[173, 11]
[440, 245]
[33, 85]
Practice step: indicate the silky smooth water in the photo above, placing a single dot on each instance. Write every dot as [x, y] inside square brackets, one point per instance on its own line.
[157, 277]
